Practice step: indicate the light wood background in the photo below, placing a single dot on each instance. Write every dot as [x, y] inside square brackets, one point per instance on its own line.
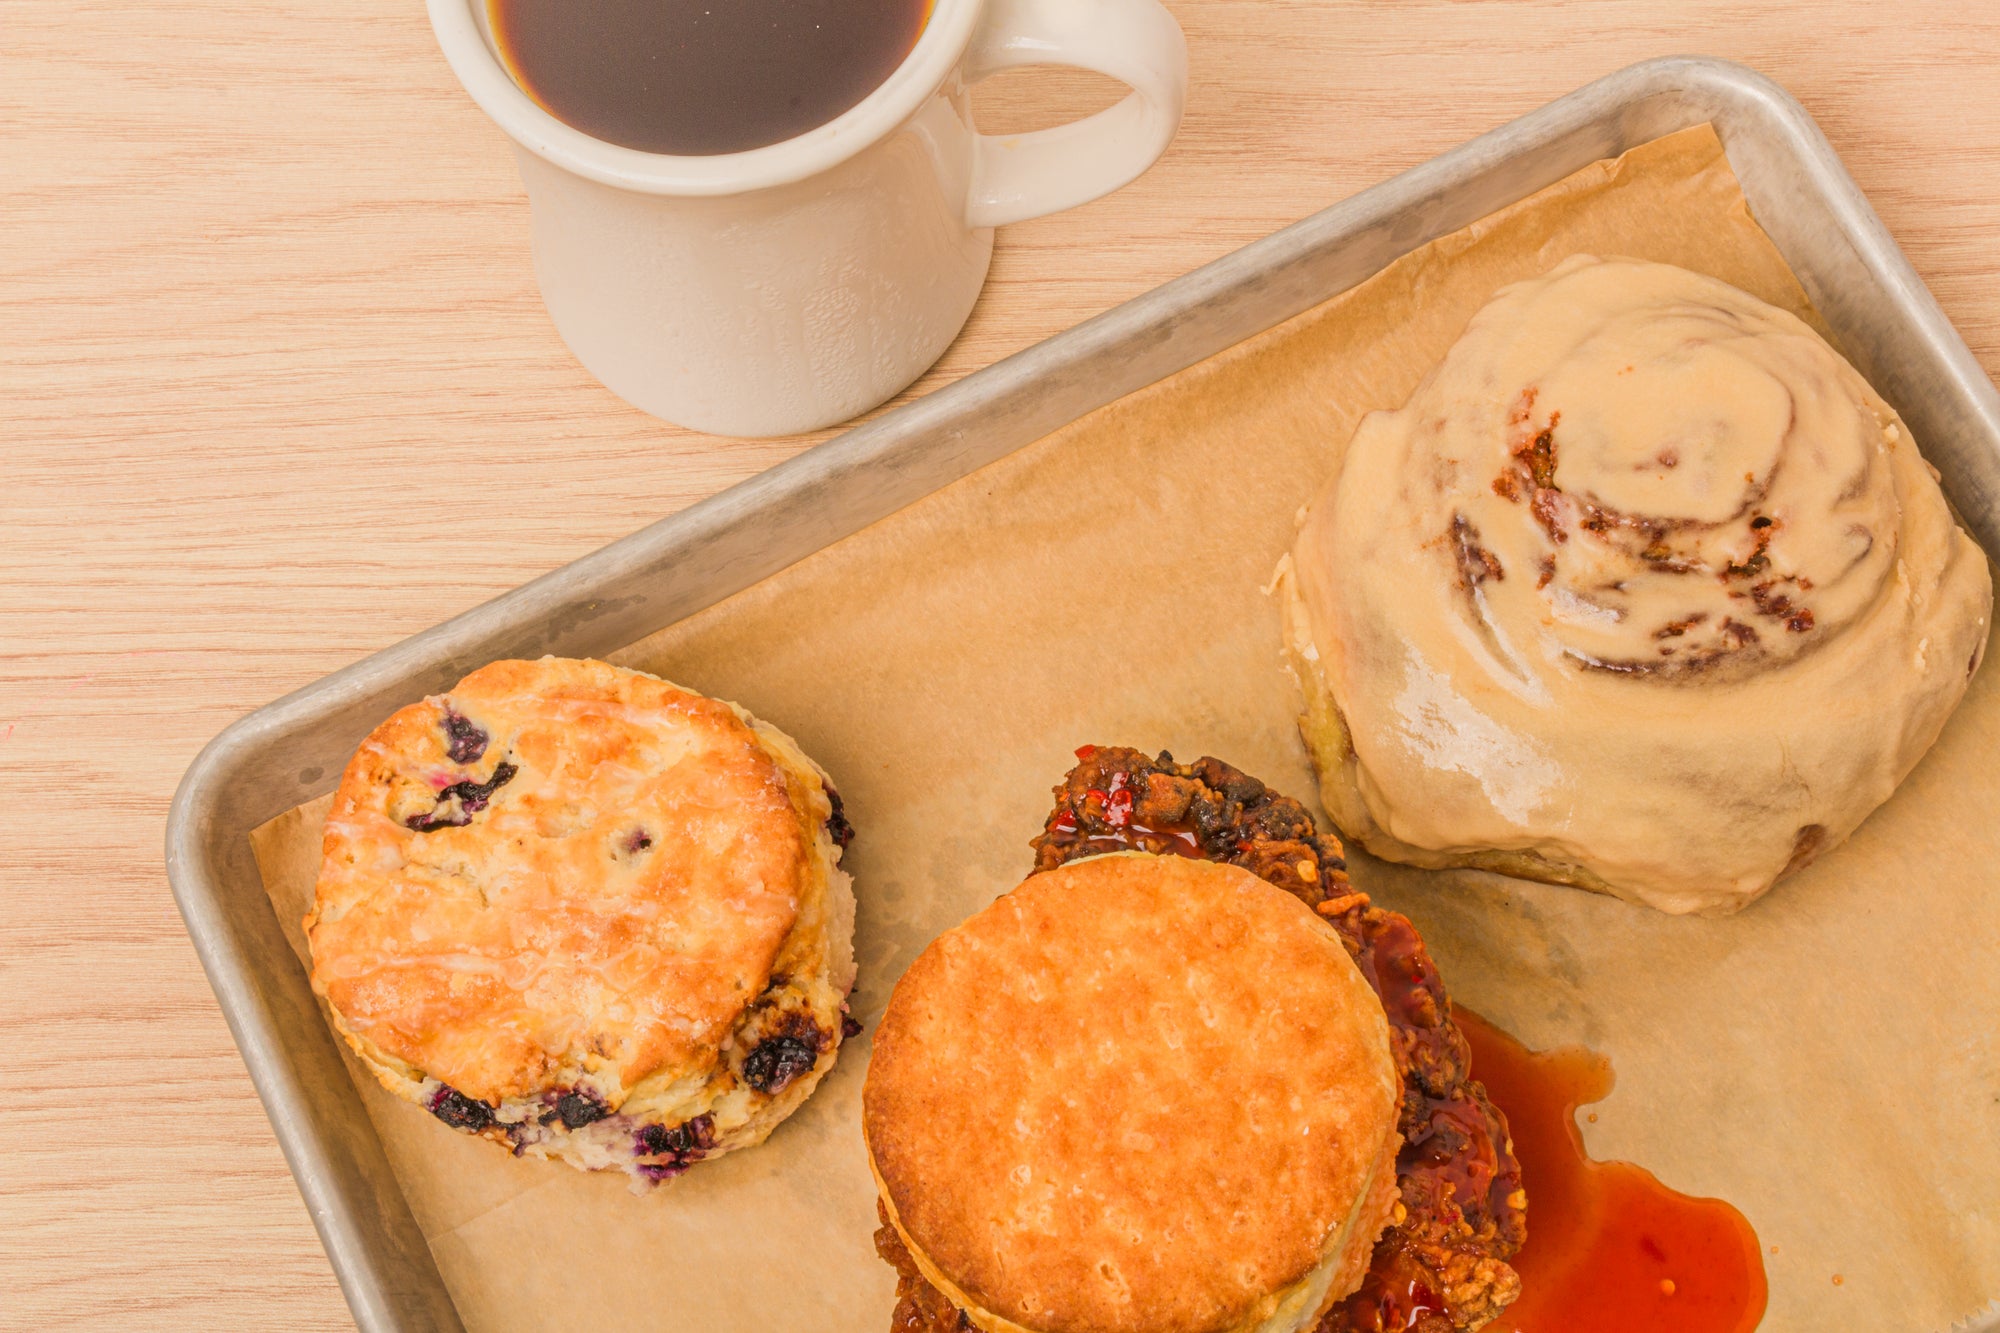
[276, 391]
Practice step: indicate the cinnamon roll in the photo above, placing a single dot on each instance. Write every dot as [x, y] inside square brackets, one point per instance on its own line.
[1644, 590]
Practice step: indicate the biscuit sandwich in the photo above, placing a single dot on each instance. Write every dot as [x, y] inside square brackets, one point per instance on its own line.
[588, 915]
[1184, 1080]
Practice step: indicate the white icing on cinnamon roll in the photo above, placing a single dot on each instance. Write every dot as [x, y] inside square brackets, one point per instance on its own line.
[1644, 589]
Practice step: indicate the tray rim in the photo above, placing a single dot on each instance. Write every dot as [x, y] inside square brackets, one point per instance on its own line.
[380, 1259]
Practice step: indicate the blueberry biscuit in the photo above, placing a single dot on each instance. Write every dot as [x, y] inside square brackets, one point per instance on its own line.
[587, 914]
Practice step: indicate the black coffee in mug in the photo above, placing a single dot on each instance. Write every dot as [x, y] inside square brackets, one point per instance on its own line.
[702, 76]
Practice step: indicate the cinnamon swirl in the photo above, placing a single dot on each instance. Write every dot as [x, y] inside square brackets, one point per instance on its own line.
[1644, 590]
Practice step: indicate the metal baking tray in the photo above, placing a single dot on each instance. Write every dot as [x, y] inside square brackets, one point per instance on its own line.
[294, 749]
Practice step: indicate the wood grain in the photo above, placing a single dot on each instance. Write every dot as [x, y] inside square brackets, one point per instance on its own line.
[276, 390]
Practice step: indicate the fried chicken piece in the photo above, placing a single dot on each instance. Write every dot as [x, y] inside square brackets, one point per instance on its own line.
[1120, 800]
[920, 1307]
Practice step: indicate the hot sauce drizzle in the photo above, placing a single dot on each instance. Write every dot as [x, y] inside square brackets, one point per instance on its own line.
[1126, 834]
[1610, 1249]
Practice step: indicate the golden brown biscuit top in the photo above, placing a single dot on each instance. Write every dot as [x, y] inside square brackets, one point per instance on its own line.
[1138, 1094]
[560, 871]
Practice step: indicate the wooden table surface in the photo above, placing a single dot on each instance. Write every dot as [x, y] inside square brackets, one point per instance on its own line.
[276, 390]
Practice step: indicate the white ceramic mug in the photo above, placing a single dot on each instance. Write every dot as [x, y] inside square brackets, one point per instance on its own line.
[793, 286]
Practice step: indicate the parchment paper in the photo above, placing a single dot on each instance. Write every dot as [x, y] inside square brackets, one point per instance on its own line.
[1826, 1060]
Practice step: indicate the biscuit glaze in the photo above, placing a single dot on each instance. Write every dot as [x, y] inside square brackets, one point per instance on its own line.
[1644, 590]
[587, 913]
[1138, 1094]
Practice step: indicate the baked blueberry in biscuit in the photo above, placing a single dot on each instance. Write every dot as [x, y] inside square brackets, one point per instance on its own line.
[587, 914]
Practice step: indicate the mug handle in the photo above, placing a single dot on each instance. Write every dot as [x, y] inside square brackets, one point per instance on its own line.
[1020, 176]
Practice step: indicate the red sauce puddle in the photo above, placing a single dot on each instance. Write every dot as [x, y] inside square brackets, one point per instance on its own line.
[1610, 1249]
